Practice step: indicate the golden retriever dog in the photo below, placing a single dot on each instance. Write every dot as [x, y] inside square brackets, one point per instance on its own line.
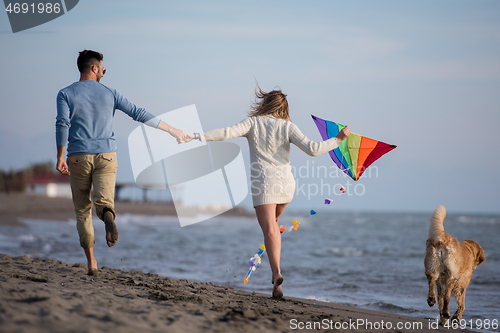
[449, 265]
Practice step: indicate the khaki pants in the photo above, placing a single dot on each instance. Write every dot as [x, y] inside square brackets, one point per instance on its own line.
[98, 170]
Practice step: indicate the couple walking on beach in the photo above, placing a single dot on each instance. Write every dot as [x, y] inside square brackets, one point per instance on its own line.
[84, 124]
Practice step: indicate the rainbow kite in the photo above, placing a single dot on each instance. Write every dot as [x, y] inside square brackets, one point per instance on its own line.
[355, 154]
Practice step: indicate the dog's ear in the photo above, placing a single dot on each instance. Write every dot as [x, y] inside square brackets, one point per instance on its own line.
[480, 258]
[477, 251]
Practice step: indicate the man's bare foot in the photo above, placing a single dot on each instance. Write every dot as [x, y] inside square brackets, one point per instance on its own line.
[93, 270]
[111, 230]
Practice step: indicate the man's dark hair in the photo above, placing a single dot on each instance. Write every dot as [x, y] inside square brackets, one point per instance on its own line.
[87, 59]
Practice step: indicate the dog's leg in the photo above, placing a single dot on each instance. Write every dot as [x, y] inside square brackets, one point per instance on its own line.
[460, 297]
[431, 279]
[440, 297]
[444, 314]
[459, 293]
[440, 294]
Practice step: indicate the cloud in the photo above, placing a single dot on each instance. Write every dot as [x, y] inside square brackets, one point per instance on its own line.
[361, 47]
[350, 69]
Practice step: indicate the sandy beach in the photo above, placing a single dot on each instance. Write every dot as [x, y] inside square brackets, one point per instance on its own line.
[46, 295]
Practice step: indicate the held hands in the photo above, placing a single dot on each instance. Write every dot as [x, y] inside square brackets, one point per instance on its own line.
[343, 134]
[180, 135]
[188, 137]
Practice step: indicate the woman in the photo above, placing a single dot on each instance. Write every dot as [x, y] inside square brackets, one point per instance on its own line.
[269, 132]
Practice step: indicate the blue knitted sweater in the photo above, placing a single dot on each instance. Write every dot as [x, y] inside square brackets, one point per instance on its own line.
[85, 113]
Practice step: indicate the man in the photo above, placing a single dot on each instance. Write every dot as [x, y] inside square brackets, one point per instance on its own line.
[85, 112]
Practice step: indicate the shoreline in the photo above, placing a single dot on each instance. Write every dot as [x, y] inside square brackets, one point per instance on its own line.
[47, 295]
[15, 206]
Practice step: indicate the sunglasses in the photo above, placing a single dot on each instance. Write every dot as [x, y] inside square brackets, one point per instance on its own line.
[103, 70]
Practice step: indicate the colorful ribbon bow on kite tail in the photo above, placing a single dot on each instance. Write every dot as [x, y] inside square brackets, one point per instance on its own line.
[254, 261]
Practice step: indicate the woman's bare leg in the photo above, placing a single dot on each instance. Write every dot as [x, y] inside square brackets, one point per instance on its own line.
[279, 210]
[268, 215]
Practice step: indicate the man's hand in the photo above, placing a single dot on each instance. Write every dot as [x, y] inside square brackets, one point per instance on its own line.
[180, 135]
[188, 137]
[62, 167]
[344, 133]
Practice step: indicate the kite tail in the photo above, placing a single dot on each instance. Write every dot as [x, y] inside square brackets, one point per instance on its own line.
[256, 259]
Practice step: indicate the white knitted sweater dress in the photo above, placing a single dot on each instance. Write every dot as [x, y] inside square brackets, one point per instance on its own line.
[269, 139]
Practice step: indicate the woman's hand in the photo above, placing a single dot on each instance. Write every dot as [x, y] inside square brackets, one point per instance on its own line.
[343, 134]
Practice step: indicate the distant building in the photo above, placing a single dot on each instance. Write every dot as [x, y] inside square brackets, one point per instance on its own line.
[50, 185]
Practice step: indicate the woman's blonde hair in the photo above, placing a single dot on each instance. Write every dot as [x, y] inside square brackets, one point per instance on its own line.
[273, 102]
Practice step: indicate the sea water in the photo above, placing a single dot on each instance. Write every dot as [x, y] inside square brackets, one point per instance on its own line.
[369, 260]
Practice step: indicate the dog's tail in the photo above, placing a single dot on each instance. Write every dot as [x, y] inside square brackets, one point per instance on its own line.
[436, 229]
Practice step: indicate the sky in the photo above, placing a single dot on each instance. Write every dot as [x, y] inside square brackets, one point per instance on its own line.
[422, 75]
